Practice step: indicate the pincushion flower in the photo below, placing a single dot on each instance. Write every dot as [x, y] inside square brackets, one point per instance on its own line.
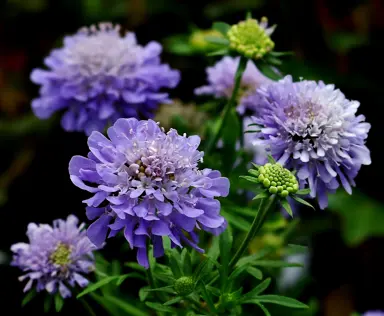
[374, 313]
[99, 76]
[311, 127]
[147, 184]
[56, 257]
[221, 78]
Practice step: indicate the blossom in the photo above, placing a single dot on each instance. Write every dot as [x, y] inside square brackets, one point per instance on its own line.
[56, 256]
[312, 128]
[374, 313]
[147, 184]
[99, 76]
[221, 79]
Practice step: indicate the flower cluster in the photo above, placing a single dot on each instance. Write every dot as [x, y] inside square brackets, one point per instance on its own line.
[56, 257]
[312, 128]
[100, 76]
[374, 313]
[147, 183]
[221, 79]
[251, 38]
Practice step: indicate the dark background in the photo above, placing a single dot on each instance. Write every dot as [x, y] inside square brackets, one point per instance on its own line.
[339, 42]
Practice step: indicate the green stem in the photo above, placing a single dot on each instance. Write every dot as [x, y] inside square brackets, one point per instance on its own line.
[230, 104]
[264, 207]
[87, 307]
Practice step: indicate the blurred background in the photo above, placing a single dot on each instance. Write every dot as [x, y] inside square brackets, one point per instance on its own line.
[339, 42]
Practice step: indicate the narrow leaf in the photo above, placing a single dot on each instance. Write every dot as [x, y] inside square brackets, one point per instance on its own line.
[217, 40]
[298, 248]
[264, 309]
[258, 274]
[31, 294]
[125, 306]
[186, 262]
[135, 266]
[257, 290]
[280, 54]
[219, 52]
[276, 264]
[281, 300]
[93, 287]
[303, 191]
[286, 206]
[59, 302]
[161, 308]
[207, 297]
[237, 221]
[300, 200]
[135, 275]
[143, 293]
[225, 244]
[270, 159]
[262, 195]
[47, 304]
[221, 27]
[173, 301]
[161, 289]
[251, 179]
[213, 290]
[174, 264]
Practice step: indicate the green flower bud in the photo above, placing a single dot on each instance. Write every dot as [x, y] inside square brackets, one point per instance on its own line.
[184, 285]
[250, 39]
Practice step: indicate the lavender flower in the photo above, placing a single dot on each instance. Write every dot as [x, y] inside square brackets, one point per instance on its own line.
[56, 257]
[312, 128]
[221, 78]
[147, 183]
[99, 76]
[374, 313]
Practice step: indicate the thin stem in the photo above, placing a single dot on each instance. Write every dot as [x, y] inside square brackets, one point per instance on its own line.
[230, 104]
[264, 207]
[87, 307]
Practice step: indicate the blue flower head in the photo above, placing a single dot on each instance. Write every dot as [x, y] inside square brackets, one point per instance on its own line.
[147, 184]
[99, 76]
[312, 128]
[56, 257]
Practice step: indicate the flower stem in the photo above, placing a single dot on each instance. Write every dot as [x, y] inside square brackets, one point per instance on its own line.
[87, 307]
[230, 104]
[264, 207]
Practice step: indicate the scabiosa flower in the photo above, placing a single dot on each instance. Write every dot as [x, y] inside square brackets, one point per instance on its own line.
[312, 128]
[99, 76]
[147, 183]
[221, 78]
[56, 257]
[374, 313]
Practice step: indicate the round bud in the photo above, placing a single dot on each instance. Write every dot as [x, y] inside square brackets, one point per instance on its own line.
[184, 285]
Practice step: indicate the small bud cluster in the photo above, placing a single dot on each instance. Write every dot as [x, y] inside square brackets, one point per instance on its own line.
[277, 179]
[184, 285]
[250, 38]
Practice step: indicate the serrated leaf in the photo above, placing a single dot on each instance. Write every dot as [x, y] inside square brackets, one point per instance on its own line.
[27, 298]
[221, 27]
[125, 306]
[217, 40]
[303, 191]
[276, 264]
[59, 303]
[173, 301]
[256, 291]
[258, 274]
[94, 286]
[262, 195]
[161, 308]
[286, 206]
[281, 300]
[143, 293]
[135, 266]
[300, 200]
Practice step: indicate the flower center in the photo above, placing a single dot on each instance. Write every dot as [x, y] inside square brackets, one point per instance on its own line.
[249, 38]
[61, 255]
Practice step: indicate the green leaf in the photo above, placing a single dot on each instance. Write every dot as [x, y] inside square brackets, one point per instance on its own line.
[213, 290]
[276, 264]
[237, 221]
[219, 52]
[173, 301]
[143, 293]
[258, 274]
[300, 200]
[186, 262]
[281, 300]
[253, 258]
[47, 303]
[135, 266]
[27, 298]
[200, 270]
[257, 290]
[286, 206]
[267, 70]
[273, 61]
[125, 306]
[161, 308]
[162, 289]
[303, 191]
[207, 297]
[217, 40]
[239, 270]
[59, 302]
[225, 244]
[264, 309]
[262, 195]
[251, 179]
[270, 159]
[174, 263]
[93, 287]
[135, 275]
[297, 248]
[221, 27]
[281, 54]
